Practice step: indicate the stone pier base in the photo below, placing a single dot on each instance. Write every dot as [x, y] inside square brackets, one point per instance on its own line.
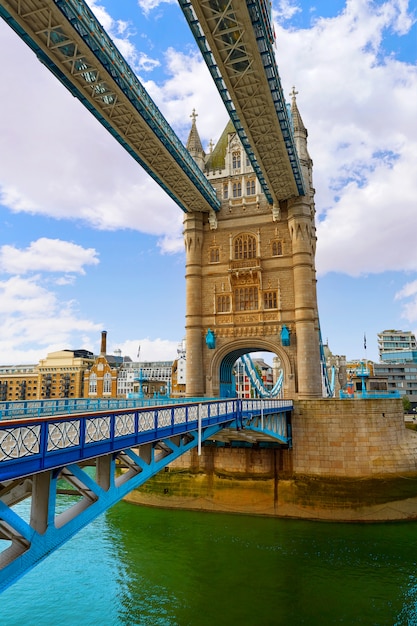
[351, 460]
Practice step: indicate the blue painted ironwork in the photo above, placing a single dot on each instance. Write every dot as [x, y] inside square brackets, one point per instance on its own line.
[95, 37]
[328, 382]
[262, 27]
[259, 418]
[363, 373]
[18, 409]
[257, 382]
[125, 448]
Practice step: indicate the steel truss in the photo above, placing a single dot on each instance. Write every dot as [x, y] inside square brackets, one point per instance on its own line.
[97, 483]
[99, 458]
[236, 41]
[69, 40]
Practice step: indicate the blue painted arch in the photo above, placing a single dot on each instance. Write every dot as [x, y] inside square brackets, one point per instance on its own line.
[225, 358]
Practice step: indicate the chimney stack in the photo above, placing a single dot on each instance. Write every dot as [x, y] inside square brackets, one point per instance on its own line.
[103, 348]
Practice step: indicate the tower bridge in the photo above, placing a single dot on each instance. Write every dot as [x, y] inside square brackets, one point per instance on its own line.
[250, 241]
[248, 206]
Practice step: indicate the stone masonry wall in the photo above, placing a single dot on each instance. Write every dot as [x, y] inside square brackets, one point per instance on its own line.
[352, 438]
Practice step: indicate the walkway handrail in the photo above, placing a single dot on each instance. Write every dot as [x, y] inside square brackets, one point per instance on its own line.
[28, 446]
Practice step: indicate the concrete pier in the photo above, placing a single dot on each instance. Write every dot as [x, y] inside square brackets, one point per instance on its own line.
[351, 460]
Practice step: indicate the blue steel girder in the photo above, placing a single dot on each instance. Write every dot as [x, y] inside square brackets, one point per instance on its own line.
[125, 447]
[236, 40]
[69, 40]
[48, 528]
[272, 425]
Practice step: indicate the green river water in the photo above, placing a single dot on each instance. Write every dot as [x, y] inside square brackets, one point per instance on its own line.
[138, 565]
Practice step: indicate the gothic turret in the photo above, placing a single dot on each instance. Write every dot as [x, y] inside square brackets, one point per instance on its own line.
[194, 145]
[300, 136]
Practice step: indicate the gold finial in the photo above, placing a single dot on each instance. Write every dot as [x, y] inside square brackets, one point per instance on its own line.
[293, 93]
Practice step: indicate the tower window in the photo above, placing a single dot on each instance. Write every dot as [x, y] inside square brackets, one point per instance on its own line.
[236, 160]
[246, 299]
[237, 190]
[270, 300]
[277, 248]
[223, 304]
[245, 247]
[250, 187]
[225, 191]
[214, 255]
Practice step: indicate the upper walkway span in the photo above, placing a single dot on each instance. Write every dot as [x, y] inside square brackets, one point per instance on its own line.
[100, 457]
[69, 40]
[236, 41]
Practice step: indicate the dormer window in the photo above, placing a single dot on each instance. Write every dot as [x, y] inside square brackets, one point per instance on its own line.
[236, 160]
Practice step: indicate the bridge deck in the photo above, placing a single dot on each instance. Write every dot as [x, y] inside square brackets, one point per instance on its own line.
[69, 40]
[236, 41]
[101, 457]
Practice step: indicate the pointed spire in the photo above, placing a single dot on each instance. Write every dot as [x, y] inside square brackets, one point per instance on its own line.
[296, 117]
[194, 145]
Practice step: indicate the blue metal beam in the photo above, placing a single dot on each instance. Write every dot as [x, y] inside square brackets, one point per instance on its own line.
[78, 51]
[125, 448]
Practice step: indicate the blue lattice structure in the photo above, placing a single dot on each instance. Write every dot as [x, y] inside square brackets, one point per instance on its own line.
[100, 457]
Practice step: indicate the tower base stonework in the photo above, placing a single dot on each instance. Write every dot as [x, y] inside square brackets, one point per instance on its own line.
[352, 460]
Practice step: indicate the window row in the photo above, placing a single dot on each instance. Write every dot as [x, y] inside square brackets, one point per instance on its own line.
[236, 189]
[245, 247]
[92, 383]
[246, 299]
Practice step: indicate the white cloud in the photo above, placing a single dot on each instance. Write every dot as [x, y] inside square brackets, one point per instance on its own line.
[189, 86]
[33, 321]
[70, 170]
[359, 108]
[149, 5]
[47, 255]
[148, 349]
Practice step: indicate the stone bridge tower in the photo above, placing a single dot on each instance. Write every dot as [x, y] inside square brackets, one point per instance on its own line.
[250, 274]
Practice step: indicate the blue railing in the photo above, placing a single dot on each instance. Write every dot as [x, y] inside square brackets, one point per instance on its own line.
[19, 409]
[28, 446]
[373, 395]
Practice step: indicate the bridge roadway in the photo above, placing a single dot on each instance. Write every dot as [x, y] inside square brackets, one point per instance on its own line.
[236, 40]
[100, 457]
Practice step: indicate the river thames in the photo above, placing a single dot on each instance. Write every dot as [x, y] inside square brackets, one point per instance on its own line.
[144, 566]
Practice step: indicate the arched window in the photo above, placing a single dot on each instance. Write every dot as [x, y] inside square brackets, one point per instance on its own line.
[236, 160]
[276, 248]
[250, 187]
[92, 384]
[246, 298]
[107, 383]
[225, 191]
[237, 189]
[245, 247]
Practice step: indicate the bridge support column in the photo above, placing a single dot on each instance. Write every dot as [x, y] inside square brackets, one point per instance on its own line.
[193, 239]
[39, 512]
[302, 231]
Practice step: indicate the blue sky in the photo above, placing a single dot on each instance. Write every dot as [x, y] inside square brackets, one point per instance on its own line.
[89, 242]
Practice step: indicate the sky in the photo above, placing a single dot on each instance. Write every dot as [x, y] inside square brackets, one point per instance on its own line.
[89, 242]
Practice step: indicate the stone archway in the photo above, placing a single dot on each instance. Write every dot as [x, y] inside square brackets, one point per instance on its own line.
[219, 371]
